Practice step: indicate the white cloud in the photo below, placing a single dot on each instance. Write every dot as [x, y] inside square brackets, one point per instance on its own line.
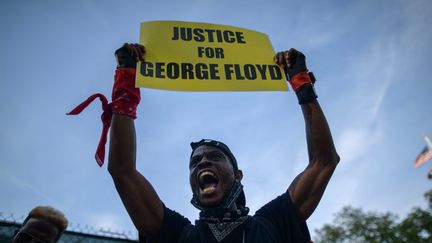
[352, 143]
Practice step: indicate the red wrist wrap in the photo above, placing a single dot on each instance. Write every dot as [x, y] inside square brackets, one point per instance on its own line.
[125, 101]
[300, 79]
[125, 96]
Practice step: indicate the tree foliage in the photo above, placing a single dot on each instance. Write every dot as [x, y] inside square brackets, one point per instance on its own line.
[355, 225]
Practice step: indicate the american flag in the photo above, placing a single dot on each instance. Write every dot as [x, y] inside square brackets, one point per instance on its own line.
[425, 154]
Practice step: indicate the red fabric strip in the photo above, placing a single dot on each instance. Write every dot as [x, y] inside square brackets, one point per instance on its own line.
[106, 120]
[87, 102]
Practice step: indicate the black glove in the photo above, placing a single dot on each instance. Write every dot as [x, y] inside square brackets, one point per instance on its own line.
[298, 64]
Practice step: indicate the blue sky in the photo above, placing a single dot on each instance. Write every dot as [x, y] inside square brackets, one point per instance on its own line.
[371, 58]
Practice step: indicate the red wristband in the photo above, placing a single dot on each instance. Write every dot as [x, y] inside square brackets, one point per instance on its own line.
[125, 101]
[125, 96]
[299, 80]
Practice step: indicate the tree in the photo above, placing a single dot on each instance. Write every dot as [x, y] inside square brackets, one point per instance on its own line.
[354, 225]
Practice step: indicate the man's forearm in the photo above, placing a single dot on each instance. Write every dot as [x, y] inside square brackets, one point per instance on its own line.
[122, 151]
[137, 194]
[319, 139]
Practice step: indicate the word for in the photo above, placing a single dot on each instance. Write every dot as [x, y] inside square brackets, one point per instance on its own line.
[211, 52]
[208, 35]
[204, 71]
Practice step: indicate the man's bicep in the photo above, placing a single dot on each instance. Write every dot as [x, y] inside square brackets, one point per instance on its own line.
[141, 202]
[308, 187]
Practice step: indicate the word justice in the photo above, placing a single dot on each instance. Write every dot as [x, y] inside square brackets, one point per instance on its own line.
[208, 35]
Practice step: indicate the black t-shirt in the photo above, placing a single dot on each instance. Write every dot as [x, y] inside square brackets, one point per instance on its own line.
[275, 222]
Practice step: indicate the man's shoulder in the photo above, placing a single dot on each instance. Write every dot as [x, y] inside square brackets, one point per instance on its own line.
[172, 215]
[280, 217]
[278, 204]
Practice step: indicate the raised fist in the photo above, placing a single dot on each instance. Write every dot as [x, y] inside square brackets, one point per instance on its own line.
[292, 61]
[129, 54]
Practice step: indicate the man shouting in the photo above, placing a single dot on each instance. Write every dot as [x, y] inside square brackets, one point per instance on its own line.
[215, 177]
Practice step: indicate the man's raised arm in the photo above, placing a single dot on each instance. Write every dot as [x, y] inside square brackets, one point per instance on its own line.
[308, 187]
[138, 196]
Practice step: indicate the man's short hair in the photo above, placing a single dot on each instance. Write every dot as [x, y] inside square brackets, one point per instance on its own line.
[49, 214]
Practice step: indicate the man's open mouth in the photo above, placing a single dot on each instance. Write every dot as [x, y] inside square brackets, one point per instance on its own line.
[207, 181]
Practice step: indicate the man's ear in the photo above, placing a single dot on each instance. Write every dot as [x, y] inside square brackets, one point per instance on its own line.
[238, 174]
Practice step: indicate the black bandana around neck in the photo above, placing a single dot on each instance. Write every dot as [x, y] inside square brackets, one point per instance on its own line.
[221, 220]
[221, 229]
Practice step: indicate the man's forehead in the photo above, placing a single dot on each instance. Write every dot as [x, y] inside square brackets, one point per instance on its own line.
[206, 148]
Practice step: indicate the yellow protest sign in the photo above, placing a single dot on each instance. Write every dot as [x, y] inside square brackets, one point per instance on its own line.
[188, 56]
